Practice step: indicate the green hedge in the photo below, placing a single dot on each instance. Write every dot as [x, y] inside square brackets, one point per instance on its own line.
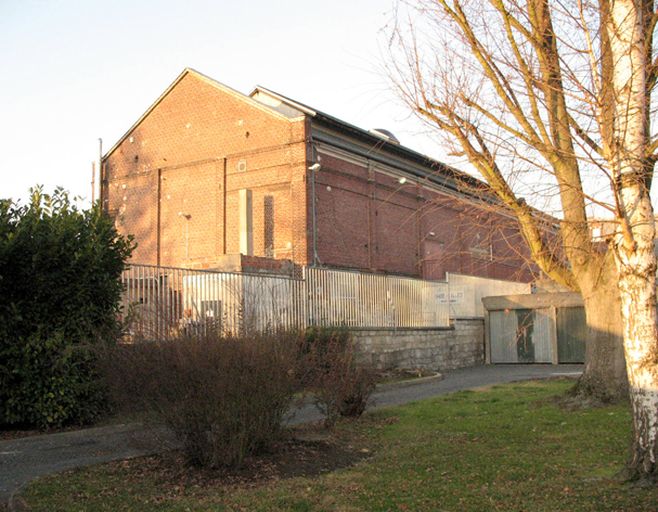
[59, 270]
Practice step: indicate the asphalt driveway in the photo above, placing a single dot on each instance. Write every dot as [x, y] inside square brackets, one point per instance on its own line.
[22, 460]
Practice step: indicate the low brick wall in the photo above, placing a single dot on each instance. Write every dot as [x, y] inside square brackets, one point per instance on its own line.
[458, 346]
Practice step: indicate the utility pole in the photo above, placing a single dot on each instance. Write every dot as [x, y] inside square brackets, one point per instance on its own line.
[93, 182]
[100, 173]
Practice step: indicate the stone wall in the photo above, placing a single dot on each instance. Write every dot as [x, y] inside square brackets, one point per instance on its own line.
[458, 346]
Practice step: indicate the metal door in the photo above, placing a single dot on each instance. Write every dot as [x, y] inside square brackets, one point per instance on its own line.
[520, 336]
[571, 334]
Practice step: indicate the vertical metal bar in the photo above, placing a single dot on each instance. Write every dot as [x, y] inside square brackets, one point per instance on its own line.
[352, 287]
[314, 295]
[180, 288]
[216, 306]
[326, 290]
[139, 310]
[163, 303]
[171, 299]
[376, 311]
[311, 297]
[204, 298]
[162, 283]
[158, 303]
[144, 301]
[230, 306]
[225, 304]
[337, 298]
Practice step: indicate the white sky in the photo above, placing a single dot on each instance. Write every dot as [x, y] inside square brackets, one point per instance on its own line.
[74, 71]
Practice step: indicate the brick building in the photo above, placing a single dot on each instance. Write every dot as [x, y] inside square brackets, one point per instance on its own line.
[208, 174]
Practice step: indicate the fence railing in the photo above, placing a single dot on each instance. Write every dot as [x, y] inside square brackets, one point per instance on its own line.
[357, 299]
[166, 302]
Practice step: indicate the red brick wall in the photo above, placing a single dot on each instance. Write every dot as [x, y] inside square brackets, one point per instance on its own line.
[203, 143]
[368, 220]
[207, 143]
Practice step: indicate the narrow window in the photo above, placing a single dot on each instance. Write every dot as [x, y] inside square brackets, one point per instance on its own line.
[268, 226]
[246, 222]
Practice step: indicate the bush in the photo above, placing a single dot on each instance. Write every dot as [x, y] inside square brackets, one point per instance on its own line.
[330, 371]
[69, 386]
[60, 289]
[223, 398]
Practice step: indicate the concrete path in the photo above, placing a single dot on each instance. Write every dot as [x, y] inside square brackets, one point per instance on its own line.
[22, 460]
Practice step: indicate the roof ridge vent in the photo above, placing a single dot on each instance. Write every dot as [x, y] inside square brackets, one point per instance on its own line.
[385, 134]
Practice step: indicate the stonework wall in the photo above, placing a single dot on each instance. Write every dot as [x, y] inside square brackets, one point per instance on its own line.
[459, 346]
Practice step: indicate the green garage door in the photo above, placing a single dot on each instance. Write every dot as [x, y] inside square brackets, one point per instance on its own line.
[571, 334]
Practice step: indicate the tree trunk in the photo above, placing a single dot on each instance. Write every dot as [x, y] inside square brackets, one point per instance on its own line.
[637, 287]
[604, 376]
[634, 243]
[638, 296]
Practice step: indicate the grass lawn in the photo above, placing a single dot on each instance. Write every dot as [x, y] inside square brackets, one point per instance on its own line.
[507, 448]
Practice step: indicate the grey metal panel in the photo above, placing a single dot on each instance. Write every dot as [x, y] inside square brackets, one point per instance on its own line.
[503, 328]
[525, 347]
[533, 301]
[541, 336]
[571, 334]
[520, 336]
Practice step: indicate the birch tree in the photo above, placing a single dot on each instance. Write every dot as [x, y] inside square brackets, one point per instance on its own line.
[546, 97]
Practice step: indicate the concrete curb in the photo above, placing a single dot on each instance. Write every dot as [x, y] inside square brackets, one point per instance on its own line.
[409, 382]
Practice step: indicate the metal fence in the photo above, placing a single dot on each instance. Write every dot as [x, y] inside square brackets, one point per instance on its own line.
[357, 299]
[166, 302]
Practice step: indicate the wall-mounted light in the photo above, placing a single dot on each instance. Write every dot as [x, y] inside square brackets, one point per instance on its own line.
[315, 167]
[402, 181]
[186, 215]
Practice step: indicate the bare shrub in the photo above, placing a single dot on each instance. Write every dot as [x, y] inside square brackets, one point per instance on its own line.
[224, 398]
[340, 386]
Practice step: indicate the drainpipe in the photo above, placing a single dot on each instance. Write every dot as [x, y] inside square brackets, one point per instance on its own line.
[158, 210]
[101, 180]
[314, 168]
[224, 207]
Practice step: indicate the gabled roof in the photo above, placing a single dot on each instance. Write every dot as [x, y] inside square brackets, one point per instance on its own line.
[208, 80]
[417, 164]
[291, 109]
[434, 171]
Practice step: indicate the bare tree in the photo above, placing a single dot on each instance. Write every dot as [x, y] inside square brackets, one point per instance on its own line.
[554, 97]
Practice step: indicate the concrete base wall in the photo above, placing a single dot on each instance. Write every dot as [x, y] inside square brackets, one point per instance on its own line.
[459, 346]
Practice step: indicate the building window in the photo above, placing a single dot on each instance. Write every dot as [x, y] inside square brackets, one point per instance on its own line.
[268, 225]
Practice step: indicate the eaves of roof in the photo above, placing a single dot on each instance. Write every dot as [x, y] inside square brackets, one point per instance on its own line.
[410, 161]
[375, 140]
